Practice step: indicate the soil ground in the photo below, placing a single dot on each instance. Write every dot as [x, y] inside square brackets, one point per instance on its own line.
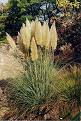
[52, 111]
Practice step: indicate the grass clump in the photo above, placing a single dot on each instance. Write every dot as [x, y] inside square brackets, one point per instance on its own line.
[36, 86]
[70, 84]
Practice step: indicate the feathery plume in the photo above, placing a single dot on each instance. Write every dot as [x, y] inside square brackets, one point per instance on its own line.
[45, 35]
[28, 25]
[34, 53]
[32, 28]
[11, 41]
[25, 35]
[38, 32]
[53, 37]
[20, 42]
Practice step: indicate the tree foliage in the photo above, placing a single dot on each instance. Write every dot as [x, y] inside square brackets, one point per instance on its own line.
[68, 3]
[16, 15]
[22, 9]
[3, 16]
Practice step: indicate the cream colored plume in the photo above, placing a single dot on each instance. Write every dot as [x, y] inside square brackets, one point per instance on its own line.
[34, 53]
[38, 32]
[20, 42]
[28, 25]
[11, 41]
[25, 35]
[32, 28]
[53, 37]
[45, 35]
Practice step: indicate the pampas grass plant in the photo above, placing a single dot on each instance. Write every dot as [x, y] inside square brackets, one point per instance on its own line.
[38, 83]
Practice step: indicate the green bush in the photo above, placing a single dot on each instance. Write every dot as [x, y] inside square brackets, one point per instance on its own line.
[2, 27]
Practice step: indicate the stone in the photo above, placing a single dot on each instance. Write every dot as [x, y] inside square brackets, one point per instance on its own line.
[10, 67]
